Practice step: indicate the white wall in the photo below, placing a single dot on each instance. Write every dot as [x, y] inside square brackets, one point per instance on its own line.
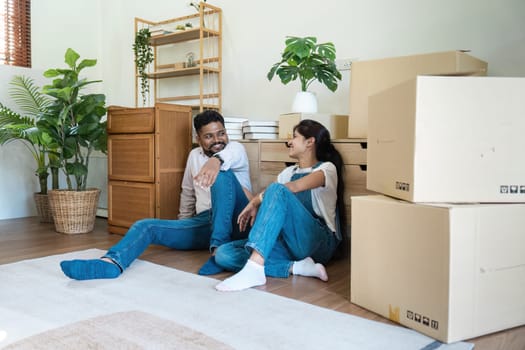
[253, 39]
[254, 33]
[57, 25]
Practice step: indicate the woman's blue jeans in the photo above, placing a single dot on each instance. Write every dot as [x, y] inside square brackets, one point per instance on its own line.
[284, 231]
[208, 229]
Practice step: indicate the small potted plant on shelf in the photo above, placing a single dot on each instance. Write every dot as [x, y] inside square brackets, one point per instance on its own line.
[74, 122]
[307, 61]
[143, 58]
[15, 127]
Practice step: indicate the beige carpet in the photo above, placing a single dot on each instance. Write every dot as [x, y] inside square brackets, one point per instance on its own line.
[122, 330]
[36, 298]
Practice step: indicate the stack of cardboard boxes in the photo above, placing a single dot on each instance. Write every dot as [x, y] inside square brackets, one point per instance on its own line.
[443, 250]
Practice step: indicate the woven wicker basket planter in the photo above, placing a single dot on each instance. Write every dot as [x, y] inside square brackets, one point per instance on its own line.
[74, 211]
[42, 207]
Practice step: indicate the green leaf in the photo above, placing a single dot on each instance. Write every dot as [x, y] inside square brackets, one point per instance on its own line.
[51, 73]
[327, 50]
[28, 96]
[86, 63]
[76, 168]
[71, 58]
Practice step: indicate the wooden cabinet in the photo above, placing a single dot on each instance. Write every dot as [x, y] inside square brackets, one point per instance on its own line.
[188, 63]
[147, 152]
[269, 158]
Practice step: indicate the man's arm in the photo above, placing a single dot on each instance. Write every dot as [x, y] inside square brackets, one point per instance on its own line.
[233, 157]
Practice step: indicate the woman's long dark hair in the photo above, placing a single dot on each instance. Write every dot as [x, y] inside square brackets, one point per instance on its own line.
[326, 152]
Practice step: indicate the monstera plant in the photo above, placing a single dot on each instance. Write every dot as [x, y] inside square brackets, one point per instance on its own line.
[308, 61]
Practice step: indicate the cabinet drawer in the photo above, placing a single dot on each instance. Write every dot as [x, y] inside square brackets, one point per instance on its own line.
[252, 150]
[268, 172]
[355, 179]
[130, 120]
[131, 157]
[129, 202]
[254, 176]
[355, 185]
[355, 182]
[275, 152]
[352, 152]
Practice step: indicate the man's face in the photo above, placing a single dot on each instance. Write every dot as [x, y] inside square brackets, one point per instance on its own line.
[212, 138]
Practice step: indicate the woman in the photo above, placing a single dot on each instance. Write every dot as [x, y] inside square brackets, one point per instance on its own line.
[294, 221]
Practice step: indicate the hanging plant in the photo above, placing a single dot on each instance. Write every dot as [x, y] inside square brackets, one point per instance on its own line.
[143, 57]
[196, 5]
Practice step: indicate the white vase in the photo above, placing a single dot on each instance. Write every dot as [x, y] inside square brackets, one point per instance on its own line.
[305, 102]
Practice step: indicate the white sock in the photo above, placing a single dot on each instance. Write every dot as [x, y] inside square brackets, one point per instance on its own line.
[308, 267]
[251, 275]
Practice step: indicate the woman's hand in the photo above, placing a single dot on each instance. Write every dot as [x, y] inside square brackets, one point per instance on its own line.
[248, 214]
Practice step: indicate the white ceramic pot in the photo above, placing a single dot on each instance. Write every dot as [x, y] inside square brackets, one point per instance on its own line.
[305, 102]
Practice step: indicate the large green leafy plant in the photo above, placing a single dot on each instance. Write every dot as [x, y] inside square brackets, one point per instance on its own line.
[303, 58]
[22, 128]
[74, 121]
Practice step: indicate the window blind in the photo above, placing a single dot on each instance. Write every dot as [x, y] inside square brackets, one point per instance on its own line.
[15, 34]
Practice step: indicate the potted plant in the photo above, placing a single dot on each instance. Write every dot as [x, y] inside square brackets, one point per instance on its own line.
[307, 61]
[143, 57]
[74, 122]
[15, 127]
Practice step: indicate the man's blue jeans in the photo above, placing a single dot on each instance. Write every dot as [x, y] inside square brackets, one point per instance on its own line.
[284, 231]
[208, 229]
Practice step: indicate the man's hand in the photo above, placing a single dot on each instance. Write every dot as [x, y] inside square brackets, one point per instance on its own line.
[208, 173]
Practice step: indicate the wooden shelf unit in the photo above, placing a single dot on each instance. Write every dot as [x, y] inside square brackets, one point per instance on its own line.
[205, 39]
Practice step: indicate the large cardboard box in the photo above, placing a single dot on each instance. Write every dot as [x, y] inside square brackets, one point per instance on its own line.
[449, 139]
[337, 124]
[452, 272]
[372, 76]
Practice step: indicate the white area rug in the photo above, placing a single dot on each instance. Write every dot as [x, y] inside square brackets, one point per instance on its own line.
[36, 297]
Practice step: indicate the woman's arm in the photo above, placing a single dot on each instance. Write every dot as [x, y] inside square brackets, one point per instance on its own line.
[308, 182]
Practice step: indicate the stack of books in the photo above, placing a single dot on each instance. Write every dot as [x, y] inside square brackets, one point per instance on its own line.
[156, 31]
[234, 127]
[260, 130]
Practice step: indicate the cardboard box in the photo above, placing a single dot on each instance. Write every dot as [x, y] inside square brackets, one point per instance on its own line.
[336, 124]
[373, 76]
[452, 272]
[449, 139]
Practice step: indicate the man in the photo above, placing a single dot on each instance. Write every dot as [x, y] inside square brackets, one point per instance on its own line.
[215, 189]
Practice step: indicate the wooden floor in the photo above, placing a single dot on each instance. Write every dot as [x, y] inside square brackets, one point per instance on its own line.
[27, 238]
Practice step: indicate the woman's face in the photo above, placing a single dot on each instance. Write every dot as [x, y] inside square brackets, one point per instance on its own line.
[297, 145]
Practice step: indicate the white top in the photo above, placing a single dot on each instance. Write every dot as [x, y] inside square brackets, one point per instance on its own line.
[195, 199]
[324, 198]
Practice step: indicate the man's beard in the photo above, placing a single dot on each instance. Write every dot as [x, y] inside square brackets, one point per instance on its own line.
[209, 151]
